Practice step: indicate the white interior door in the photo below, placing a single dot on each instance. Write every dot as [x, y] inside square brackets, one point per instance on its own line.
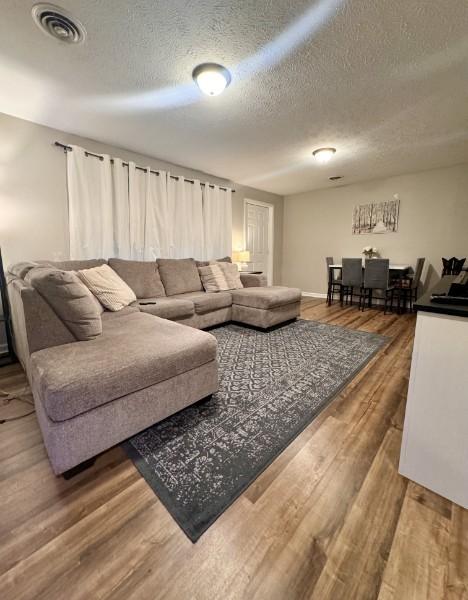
[258, 236]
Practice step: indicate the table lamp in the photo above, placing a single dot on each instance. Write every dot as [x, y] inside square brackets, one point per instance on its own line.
[241, 258]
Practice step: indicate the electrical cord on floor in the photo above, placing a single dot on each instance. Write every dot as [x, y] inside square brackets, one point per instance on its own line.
[7, 397]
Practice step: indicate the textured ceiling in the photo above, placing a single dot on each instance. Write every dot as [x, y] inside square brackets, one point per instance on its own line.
[385, 82]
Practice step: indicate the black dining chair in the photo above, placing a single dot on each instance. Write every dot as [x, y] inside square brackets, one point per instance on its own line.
[376, 283]
[351, 279]
[334, 284]
[407, 288]
[452, 266]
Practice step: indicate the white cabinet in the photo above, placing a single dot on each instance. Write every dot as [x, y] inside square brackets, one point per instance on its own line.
[434, 451]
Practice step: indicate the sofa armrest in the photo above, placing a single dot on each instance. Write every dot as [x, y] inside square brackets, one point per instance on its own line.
[253, 280]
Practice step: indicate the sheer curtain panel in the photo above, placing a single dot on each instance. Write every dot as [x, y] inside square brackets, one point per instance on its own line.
[121, 209]
[90, 206]
[217, 222]
[186, 218]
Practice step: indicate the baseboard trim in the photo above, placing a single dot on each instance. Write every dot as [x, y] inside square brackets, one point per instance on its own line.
[314, 295]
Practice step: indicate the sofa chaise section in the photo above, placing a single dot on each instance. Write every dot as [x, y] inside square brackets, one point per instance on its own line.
[265, 307]
[91, 395]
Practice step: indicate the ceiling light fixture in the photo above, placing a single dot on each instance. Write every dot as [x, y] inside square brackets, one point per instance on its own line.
[323, 155]
[211, 78]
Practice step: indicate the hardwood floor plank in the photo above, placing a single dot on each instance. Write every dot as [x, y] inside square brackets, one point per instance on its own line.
[457, 582]
[356, 560]
[418, 564]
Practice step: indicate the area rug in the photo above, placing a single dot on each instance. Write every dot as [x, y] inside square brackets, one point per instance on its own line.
[272, 385]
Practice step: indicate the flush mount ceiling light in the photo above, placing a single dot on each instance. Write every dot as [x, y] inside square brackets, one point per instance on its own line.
[58, 23]
[323, 155]
[211, 78]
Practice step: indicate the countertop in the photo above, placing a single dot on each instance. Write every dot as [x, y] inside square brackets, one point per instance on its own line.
[424, 302]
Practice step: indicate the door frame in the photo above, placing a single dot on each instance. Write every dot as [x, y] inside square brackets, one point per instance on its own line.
[271, 232]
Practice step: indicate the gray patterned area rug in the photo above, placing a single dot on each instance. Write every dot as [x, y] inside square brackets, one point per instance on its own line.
[272, 385]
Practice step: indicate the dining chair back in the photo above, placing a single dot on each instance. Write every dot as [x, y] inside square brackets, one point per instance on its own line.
[329, 261]
[352, 272]
[376, 273]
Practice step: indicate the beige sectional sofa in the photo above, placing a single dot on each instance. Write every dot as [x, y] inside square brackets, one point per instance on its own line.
[151, 360]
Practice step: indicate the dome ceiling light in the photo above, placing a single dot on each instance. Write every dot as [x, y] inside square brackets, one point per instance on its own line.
[323, 155]
[211, 78]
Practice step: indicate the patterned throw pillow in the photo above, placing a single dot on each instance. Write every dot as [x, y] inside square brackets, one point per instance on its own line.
[213, 278]
[111, 291]
[231, 273]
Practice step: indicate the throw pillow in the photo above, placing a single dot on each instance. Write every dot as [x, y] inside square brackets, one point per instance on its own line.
[231, 273]
[213, 278]
[70, 299]
[111, 291]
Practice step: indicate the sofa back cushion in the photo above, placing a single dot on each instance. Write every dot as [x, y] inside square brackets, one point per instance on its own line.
[179, 275]
[21, 269]
[111, 291]
[74, 265]
[141, 275]
[70, 299]
[205, 263]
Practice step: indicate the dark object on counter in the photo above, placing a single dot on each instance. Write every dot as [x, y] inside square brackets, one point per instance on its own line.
[441, 290]
[452, 266]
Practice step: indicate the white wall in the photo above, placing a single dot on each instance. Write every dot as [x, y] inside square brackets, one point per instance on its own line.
[433, 224]
[33, 196]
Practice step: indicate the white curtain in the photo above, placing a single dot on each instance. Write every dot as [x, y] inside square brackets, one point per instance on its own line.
[157, 225]
[217, 221]
[90, 207]
[186, 218]
[121, 210]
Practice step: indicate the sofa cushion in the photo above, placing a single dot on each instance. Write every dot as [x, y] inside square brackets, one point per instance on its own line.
[132, 354]
[213, 279]
[168, 308]
[107, 315]
[21, 269]
[266, 297]
[141, 275]
[205, 302]
[75, 265]
[205, 263]
[70, 299]
[179, 275]
[111, 291]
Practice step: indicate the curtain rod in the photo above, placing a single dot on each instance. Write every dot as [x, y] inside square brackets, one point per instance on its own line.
[125, 164]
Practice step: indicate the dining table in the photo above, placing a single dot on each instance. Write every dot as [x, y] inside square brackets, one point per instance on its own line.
[397, 270]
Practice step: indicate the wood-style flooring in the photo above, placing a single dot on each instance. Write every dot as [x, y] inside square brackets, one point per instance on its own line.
[330, 519]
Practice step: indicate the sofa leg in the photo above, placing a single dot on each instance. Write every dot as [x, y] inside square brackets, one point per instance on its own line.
[79, 468]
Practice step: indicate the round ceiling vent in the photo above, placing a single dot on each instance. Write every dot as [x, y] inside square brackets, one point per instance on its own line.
[58, 23]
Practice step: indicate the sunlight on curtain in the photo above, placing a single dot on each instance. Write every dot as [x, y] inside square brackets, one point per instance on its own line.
[217, 222]
[89, 205]
[186, 218]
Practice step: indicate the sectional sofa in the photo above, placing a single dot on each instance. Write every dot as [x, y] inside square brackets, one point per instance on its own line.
[151, 360]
